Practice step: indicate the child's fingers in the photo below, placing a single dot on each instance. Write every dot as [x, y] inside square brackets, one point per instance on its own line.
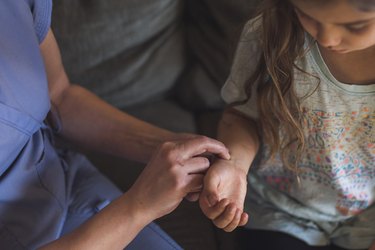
[244, 219]
[234, 223]
[214, 211]
[226, 217]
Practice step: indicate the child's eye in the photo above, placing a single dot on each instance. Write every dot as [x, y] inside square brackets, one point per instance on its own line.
[356, 27]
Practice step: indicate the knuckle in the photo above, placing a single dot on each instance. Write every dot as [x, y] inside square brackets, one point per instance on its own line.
[165, 146]
[170, 146]
[170, 158]
[204, 139]
[232, 211]
[168, 151]
[200, 140]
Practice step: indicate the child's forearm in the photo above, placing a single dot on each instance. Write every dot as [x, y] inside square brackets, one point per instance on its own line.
[225, 183]
[240, 135]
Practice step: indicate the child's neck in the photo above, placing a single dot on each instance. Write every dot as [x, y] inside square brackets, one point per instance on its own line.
[352, 68]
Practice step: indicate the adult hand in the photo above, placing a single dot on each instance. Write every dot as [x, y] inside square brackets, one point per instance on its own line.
[223, 195]
[175, 170]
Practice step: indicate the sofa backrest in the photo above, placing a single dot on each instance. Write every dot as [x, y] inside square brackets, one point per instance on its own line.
[213, 29]
[126, 51]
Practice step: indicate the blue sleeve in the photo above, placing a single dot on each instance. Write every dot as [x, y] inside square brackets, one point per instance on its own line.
[41, 10]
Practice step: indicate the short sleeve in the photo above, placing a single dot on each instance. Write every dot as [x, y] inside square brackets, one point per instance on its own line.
[245, 62]
[41, 10]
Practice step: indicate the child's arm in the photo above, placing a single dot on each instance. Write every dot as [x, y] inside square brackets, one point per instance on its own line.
[225, 184]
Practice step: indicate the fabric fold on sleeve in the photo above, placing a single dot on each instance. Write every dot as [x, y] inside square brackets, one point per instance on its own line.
[245, 63]
[42, 10]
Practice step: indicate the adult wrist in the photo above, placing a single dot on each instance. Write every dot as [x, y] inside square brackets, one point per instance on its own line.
[136, 211]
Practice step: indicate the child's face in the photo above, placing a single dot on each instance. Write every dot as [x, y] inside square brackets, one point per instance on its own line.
[337, 25]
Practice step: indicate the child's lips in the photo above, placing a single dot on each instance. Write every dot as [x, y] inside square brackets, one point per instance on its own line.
[339, 50]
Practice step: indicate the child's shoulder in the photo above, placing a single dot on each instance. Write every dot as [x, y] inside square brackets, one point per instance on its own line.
[250, 39]
[251, 28]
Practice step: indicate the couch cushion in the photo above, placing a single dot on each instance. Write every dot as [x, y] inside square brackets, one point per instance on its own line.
[213, 29]
[126, 51]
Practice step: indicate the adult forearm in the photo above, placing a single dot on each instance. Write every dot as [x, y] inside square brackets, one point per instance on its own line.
[113, 228]
[89, 122]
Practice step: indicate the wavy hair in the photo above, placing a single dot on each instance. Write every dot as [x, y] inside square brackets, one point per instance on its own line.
[282, 41]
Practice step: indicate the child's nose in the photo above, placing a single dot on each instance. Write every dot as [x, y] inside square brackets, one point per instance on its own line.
[329, 36]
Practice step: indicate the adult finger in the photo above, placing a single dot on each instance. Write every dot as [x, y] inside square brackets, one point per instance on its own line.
[196, 165]
[200, 145]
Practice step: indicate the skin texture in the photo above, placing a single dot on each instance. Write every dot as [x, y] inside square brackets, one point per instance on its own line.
[338, 32]
[346, 38]
[225, 184]
[175, 162]
[348, 49]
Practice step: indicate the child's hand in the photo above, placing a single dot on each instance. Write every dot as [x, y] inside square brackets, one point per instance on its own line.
[223, 195]
[175, 170]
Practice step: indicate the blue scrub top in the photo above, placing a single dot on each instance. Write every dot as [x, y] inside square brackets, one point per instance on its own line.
[40, 188]
[44, 193]
[32, 195]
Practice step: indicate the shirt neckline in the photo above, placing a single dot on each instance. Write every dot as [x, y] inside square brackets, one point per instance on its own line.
[322, 66]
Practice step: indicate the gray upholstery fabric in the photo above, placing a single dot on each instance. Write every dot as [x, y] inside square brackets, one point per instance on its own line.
[213, 29]
[126, 51]
[132, 52]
